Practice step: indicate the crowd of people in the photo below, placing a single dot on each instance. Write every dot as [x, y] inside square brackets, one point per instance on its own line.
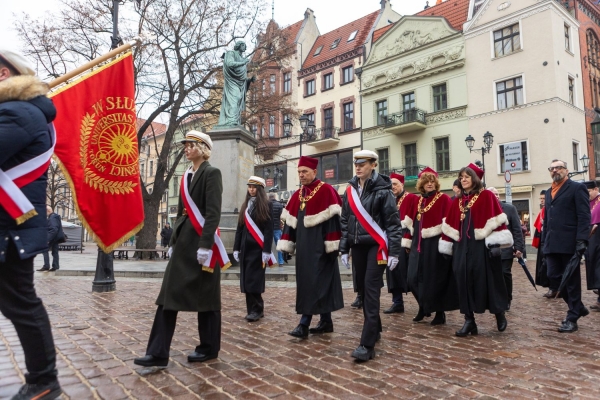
[450, 253]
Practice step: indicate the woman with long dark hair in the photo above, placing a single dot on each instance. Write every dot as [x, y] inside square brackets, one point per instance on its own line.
[430, 276]
[474, 232]
[252, 247]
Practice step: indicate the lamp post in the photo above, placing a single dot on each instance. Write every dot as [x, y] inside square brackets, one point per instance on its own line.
[488, 141]
[307, 126]
[585, 161]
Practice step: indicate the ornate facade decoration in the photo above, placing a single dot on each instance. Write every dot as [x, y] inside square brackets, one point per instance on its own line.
[377, 131]
[446, 116]
[331, 62]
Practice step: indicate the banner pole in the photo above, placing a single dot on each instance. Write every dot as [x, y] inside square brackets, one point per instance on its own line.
[94, 62]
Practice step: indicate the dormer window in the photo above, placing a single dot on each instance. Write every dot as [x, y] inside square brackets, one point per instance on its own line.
[318, 51]
[352, 36]
[335, 43]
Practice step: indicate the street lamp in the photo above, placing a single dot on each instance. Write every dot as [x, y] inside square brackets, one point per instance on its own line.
[307, 126]
[585, 161]
[488, 141]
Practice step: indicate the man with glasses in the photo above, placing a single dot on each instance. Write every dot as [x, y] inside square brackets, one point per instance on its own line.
[566, 232]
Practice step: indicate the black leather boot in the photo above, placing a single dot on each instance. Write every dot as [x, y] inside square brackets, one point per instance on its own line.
[469, 327]
[358, 302]
[420, 315]
[439, 319]
[501, 321]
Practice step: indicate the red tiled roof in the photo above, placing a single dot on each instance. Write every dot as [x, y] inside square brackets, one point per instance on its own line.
[455, 11]
[363, 25]
[156, 128]
[292, 31]
[379, 32]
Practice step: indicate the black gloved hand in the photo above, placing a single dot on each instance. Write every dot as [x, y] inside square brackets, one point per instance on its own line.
[495, 251]
[581, 246]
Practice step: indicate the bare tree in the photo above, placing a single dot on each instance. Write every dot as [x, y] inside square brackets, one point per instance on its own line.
[174, 74]
[58, 192]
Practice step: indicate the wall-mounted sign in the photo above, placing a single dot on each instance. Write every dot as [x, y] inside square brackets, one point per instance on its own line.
[329, 173]
[513, 157]
[269, 182]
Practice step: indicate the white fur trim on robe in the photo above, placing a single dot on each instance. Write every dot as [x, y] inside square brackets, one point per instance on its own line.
[445, 247]
[408, 223]
[289, 219]
[503, 238]
[406, 243]
[431, 232]
[490, 226]
[450, 231]
[286, 245]
[331, 246]
[329, 212]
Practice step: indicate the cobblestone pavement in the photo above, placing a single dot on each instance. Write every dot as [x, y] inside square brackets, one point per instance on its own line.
[98, 335]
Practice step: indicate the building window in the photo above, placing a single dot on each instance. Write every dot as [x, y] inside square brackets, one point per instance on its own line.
[318, 51]
[285, 118]
[287, 82]
[311, 117]
[336, 168]
[352, 36]
[411, 168]
[335, 43]
[384, 161]
[507, 40]
[575, 156]
[381, 112]
[254, 129]
[328, 81]
[271, 126]
[175, 185]
[262, 130]
[442, 154]
[509, 93]
[571, 91]
[348, 74]
[151, 168]
[348, 116]
[310, 87]
[272, 83]
[328, 122]
[592, 47]
[514, 157]
[567, 38]
[408, 101]
[440, 97]
[143, 170]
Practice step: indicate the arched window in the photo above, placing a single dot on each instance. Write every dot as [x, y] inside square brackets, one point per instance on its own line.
[592, 47]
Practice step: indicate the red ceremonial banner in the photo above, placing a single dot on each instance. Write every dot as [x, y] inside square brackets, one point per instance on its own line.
[97, 149]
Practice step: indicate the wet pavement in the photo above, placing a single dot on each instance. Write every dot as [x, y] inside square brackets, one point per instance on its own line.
[98, 335]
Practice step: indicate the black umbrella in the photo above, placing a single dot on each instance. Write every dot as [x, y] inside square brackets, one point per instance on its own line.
[573, 264]
[522, 262]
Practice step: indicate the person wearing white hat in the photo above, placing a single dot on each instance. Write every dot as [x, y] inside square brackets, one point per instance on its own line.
[255, 224]
[25, 133]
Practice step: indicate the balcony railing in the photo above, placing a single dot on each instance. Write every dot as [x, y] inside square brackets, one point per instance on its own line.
[406, 117]
[324, 137]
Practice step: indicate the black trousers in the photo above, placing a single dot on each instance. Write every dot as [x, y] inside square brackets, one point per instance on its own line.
[507, 272]
[54, 248]
[209, 330]
[254, 303]
[369, 276]
[571, 294]
[20, 304]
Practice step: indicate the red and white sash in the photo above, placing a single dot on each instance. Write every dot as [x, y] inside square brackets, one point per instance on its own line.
[367, 222]
[257, 235]
[12, 199]
[217, 252]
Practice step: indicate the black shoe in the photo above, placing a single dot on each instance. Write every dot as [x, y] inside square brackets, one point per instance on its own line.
[439, 319]
[584, 312]
[363, 353]
[378, 337]
[568, 327]
[44, 268]
[200, 357]
[420, 315]
[254, 316]
[301, 331]
[52, 269]
[39, 391]
[551, 294]
[395, 308]
[501, 322]
[358, 302]
[322, 327]
[508, 309]
[151, 361]
[469, 327]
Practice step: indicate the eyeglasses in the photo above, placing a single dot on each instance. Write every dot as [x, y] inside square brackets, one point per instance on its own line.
[556, 168]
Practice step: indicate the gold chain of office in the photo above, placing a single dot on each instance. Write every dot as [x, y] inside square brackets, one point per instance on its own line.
[463, 210]
[399, 203]
[303, 200]
[421, 211]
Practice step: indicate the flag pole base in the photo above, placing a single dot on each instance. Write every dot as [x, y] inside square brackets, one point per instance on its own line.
[104, 281]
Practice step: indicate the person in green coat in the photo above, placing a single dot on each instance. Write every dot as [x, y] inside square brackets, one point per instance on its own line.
[189, 284]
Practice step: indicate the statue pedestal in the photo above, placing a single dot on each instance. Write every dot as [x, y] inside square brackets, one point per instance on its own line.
[233, 153]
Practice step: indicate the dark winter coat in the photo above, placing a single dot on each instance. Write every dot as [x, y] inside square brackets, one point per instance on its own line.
[252, 273]
[25, 113]
[277, 209]
[55, 231]
[379, 201]
[165, 236]
[514, 225]
[566, 219]
[185, 286]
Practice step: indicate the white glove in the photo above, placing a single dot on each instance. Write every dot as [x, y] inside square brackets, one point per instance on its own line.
[170, 252]
[392, 262]
[202, 255]
[345, 261]
[265, 257]
[236, 256]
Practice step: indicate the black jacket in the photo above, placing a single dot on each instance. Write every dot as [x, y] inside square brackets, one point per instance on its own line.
[55, 231]
[566, 219]
[378, 200]
[514, 225]
[165, 235]
[25, 113]
[276, 214]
